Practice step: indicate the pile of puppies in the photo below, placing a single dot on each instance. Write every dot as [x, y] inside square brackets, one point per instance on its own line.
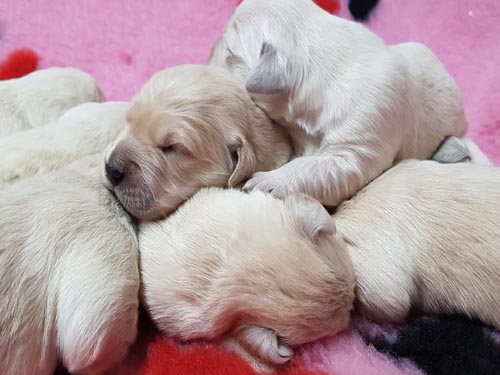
[301, 110]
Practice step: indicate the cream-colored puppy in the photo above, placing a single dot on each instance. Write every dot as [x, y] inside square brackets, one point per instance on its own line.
[43, 96]
[423, 235]
[353, 105]
[190, 127]
[85, 129]
[70, 277]
[248, 265]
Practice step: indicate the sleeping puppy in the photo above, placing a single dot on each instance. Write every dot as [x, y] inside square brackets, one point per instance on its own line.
[43, 96]
[248, 265]
[85, 129]
[190, 127]
[423, 235]
[70, 278]
[353, 105]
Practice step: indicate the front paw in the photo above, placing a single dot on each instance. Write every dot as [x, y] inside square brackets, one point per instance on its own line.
[272, 182]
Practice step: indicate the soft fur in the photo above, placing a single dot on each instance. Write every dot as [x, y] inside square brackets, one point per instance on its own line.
[84, 130]
[42, 97]
[250, 265]
[70, 278]
[423, 235]
[190, 127]
[353, 105]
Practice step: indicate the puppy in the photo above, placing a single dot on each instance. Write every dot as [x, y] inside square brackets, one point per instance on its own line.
[85, 129]
[423, 235]
[353, 105]
[190, 127]
[70, 277]
[249, 266]
[42, 97]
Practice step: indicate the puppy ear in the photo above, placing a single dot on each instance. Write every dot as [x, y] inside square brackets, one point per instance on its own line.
[310, 217]
[271, 75]
[243, 161]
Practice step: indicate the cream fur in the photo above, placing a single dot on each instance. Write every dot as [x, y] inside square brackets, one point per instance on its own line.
[425, 235]
[42, 97]
[70, 278]
[85, 129]
[249, 265]
[271, 273]
[353, 105]
[191, 126]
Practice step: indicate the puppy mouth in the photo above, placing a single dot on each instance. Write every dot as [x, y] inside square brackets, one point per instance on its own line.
[138, 203]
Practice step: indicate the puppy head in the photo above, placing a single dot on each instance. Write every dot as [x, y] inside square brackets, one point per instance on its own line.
[189, 127]
[260, 48]
[226, 261]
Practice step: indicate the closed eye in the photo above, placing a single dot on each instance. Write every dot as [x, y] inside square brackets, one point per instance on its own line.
[167, 149]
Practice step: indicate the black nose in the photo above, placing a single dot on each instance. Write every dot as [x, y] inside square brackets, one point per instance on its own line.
[114, 174]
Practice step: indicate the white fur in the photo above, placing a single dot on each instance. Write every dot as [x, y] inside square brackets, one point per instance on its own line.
[85, 129]
[70, 279]
[353, 105]
[42, 97]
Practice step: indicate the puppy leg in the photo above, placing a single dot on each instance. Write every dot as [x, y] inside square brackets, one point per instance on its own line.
[328, 179]
[452, 150]
[264, 343]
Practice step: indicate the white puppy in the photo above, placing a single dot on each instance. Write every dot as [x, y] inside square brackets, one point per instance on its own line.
[248, 265]
[353, 105]
[423, 235]
[70, 278]
[43, 96]
[85, 129]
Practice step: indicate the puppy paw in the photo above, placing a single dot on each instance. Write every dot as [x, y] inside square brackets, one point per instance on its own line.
[271, 182]
[452, 150]
[264, 343]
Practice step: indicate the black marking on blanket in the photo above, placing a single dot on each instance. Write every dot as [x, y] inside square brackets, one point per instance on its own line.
[362, 9]
[444, 345]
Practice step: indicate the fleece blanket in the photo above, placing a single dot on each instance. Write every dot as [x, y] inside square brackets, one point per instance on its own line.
[122, 42]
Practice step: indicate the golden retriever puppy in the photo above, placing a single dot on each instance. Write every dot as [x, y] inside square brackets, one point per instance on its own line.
[43, 96]
[84, 130]
[190, 127]
[423, 235]
[248, 265]
[353, 105]
[70, 277]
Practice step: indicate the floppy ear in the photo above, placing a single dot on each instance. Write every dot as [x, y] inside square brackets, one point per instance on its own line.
[310, 217]
[271, 75]
[243, 161]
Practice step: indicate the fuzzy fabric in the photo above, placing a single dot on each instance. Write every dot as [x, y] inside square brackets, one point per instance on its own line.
[122, 42]
[18, 64]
